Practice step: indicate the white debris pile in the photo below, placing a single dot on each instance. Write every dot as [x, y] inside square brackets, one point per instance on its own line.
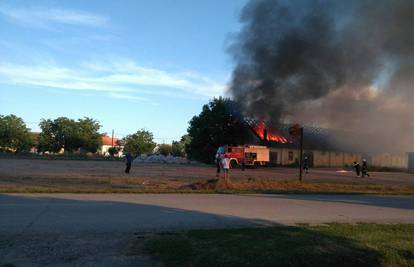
[162, 159]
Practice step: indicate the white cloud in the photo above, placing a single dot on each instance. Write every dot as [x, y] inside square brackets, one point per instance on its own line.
[126, 96]
[118, 78]
[129, 73]
[133, 98]
[46, 17]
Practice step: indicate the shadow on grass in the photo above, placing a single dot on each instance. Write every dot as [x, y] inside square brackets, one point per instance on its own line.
[272, 246]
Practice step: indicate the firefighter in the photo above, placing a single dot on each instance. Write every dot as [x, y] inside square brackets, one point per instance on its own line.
[357, 168]
[306, 164]
[364, 168]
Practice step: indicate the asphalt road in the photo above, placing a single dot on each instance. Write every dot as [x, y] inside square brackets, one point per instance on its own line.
[93, 229]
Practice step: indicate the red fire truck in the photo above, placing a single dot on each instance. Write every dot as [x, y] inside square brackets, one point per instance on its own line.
[247, 155]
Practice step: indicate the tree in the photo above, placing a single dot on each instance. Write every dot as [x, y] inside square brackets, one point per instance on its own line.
[70, 135]
[89, 134]
[178, 147]
[219, 123]
[141, 142]
[14, 135]
[58, 134]
[113, 150]
[165, 149]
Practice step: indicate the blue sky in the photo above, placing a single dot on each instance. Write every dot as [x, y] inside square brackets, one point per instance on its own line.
[129, 64]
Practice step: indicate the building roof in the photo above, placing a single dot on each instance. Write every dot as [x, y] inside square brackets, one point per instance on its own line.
[314, 138]
[107, 141]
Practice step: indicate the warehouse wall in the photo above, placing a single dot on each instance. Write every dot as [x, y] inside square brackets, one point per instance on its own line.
[390, 160]
[334, 159]
[285, 156]
[338, 159]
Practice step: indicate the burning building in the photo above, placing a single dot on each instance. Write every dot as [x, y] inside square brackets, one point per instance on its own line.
[321, 63]
[321, 146]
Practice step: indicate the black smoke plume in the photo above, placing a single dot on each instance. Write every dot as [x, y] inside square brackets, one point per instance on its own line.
[337, 64]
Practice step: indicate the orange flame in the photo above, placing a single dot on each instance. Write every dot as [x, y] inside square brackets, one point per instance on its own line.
[260, 129]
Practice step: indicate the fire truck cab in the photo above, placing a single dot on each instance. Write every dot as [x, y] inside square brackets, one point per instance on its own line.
[246, 155]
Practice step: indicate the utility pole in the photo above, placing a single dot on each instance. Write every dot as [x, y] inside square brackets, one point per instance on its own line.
[301, 154]
[297, 132]
[112, 142]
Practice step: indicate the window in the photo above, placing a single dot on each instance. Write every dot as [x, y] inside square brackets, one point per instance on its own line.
[290, 155]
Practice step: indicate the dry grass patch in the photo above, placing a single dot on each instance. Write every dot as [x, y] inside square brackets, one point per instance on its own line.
[45, 176]
[142, 185]
[269, 186]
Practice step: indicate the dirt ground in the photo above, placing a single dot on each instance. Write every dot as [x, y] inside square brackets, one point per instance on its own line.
[19, 175]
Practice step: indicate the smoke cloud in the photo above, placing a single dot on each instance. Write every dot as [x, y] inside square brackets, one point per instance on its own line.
[336, 64]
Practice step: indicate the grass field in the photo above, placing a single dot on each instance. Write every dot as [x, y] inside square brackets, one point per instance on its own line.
[329, 245]
[78, 176]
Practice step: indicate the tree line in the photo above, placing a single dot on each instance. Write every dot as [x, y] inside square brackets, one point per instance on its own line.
[219, 122]
[70, 136]
[61, 133]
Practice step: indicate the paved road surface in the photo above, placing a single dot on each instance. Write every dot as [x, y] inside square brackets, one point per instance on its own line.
[93, 229]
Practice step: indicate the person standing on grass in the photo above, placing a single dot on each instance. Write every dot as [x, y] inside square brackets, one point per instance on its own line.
[128, 161]
[225, 163]
[218, 163]
[364, 168]
[218, 158]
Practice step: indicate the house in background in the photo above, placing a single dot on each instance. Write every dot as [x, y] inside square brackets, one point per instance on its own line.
[107, 143]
